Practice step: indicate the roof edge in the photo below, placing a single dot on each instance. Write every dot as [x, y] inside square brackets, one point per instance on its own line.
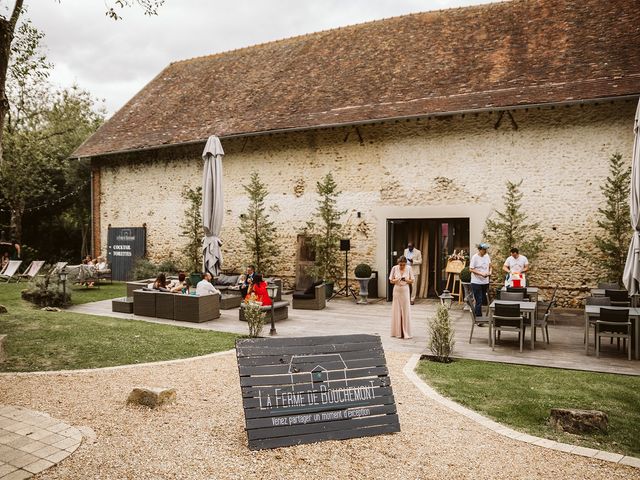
[362, 122]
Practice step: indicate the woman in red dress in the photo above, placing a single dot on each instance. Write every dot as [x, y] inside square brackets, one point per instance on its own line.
[259, 288]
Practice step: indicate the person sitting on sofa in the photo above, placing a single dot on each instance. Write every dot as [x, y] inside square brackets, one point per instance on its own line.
[204, 286]
[161, 283]
[259, 288]
[245, 280]
[180, 284]
[101, 264]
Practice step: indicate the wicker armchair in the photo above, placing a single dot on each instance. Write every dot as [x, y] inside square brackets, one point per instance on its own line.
[196, 308]
[314, 300]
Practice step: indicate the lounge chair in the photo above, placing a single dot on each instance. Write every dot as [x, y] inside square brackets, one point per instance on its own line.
[11, 270]
[32, 270]
[57, 268]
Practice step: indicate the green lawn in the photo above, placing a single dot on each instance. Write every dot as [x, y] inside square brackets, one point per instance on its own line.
[521, 397]
[39, 340]
[103, 291]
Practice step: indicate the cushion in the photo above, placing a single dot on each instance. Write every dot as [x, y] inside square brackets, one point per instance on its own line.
[228, 280]
[303, 296]
[312, 288]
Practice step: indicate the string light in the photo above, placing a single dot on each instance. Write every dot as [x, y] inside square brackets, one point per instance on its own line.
[50, 203]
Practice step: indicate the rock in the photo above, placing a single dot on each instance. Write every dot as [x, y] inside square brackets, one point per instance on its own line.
[578, 421]
[3, 309]
[152, 397]
[2, 354]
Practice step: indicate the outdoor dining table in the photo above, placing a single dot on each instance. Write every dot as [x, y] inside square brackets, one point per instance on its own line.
[593, 311]
[532, 293]
[528, 308]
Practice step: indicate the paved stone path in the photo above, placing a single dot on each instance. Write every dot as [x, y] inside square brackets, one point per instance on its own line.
[31, 442]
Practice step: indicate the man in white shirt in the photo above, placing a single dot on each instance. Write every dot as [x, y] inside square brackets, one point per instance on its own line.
[204, 286]
[516, 263]
[480, 268]
[414, 259]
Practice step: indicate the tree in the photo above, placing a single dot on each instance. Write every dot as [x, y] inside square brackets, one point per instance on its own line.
[326, 231]
[612, 245]
[43, 127]
[8, 30]
[192, 228]
[259, 231]
[510, 229]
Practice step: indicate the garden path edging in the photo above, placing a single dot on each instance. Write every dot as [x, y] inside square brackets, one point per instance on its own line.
[117, 367]
[409, 371]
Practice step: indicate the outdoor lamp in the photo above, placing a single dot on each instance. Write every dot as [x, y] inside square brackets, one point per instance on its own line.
[272, 290]
[446, 298]
[62, 276]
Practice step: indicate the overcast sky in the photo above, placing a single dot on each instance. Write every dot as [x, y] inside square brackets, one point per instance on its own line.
[115, 59]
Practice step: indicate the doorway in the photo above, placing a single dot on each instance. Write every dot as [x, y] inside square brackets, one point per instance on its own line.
[436, 238]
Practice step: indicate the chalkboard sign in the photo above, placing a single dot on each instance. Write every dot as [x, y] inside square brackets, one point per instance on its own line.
[310, 389]
[124, 247]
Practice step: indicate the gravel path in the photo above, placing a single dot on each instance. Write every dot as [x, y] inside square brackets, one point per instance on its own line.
[201, 436]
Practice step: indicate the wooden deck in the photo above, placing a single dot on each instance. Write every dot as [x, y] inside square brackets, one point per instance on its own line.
[343, 316]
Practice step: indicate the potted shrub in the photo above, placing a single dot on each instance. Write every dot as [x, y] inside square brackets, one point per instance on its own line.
[325, 233]
[363, 275]
[441, 336]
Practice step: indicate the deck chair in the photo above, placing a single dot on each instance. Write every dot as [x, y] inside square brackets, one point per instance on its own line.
[57, 268]
[11, 270]
[32, 270]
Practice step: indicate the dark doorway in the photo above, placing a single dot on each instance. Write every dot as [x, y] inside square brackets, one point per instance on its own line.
[436, 239]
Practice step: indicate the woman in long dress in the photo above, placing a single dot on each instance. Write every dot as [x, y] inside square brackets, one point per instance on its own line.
[401, 277]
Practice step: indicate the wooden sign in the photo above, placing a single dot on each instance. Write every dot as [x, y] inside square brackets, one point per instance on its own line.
[454, 266]
[310, 389]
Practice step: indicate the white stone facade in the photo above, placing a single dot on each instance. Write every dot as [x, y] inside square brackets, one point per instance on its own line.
[427, 168]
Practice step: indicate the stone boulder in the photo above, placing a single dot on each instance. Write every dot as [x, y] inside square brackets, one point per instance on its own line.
[578, 421]
[152, 397]
[3, 309]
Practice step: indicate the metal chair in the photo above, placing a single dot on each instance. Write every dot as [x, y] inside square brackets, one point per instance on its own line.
[613, 323]
[470, 302]
[542, 305]
[601, 301]
[542, 321]
[619, 298]
[514, 296]
[522, 290]
[507, 317]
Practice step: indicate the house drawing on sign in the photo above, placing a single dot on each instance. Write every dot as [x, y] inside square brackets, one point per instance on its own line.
[329, 368]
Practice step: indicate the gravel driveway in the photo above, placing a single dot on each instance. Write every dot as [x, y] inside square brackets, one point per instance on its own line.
[201, 436]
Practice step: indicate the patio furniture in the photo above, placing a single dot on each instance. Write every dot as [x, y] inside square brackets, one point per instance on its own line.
[469, 301]
[531, 292]
[313, 298]
[144, 303]
[10, 271]
[506, 317]
[602, 301]
[165, 305]
[619, 298]
[613, 323]
[122, 305]
[32, 270]
[542, 305]
[513, 296]
[230, 300]
[138, 285]
[609, 286]
[527, 309]
[542, 320]
[592, 312]
[196, 308]
[280, 311]
[521, 290]
[104, 274]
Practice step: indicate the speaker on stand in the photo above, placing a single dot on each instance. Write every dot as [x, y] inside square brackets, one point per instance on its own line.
[345, 246]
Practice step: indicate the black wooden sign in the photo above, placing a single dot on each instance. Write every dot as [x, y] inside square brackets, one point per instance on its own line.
[310, 389]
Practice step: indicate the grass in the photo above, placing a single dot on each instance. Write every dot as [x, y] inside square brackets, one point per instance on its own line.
[39, 340]
[104, 291]
[521, 397]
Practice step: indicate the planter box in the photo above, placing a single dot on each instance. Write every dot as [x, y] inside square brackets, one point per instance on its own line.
[122, 305]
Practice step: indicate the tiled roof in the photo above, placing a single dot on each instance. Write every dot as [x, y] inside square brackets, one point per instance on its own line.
[521, 52]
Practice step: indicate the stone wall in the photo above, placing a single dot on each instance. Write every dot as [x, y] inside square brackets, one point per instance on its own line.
[414, 166]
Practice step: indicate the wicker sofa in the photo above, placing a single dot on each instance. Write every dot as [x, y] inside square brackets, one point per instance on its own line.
[313, 298]
[176, 306]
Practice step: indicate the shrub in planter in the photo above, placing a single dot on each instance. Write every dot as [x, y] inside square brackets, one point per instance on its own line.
[441, 336]
[45, 293]
[144, 268]
[465, 275]
[363, 271]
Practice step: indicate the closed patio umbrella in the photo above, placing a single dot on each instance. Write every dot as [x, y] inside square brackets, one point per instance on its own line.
[212, 205]
[631, 275]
